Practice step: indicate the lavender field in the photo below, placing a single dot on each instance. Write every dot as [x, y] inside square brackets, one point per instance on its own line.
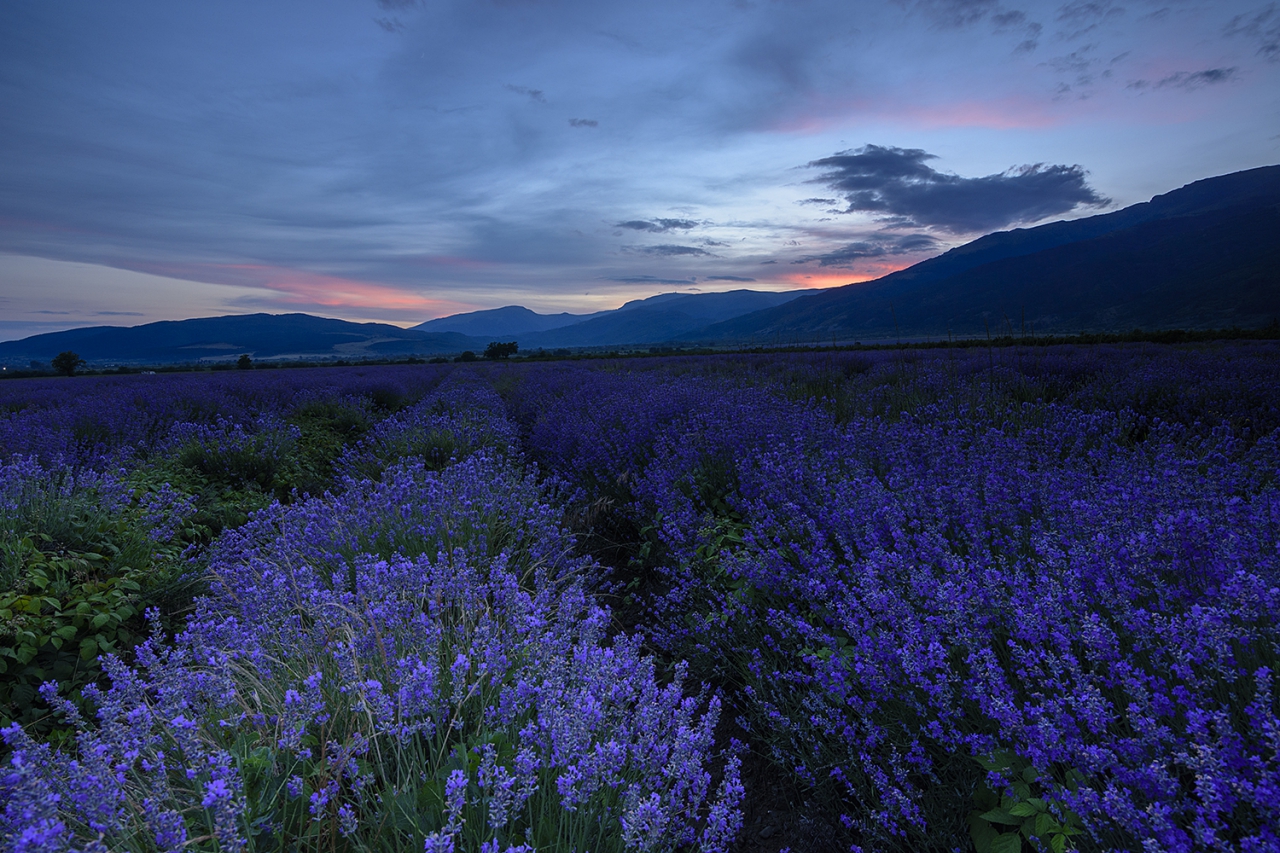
[956, 599]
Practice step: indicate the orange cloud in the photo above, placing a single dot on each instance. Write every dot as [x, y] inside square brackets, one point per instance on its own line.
[301, 287]
[868, 270]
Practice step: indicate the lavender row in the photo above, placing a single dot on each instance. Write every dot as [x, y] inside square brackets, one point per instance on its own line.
[105, 421]
[1053, 582]
[409, 660]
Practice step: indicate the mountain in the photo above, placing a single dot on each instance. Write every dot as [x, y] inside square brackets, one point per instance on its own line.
[655, 319]
[658, 319]
[262, 336]
[509, 322]
[1203, 256]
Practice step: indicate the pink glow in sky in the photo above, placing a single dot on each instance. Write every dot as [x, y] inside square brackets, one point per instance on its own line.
[398, 161]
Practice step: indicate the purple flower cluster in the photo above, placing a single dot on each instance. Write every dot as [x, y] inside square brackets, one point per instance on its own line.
[411, 660]
[103, 421]
[1065, 556]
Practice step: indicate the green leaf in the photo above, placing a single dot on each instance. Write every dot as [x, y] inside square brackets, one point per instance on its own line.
[982, 833]
[1023, 810]
[1001, 816]
[88, 648]
[1007, 843]
[1058, 843]
[1045, 825]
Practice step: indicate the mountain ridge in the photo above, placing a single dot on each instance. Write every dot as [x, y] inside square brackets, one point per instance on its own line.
[1203, 256]
[1227, 229]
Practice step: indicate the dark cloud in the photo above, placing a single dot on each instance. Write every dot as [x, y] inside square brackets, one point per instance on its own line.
[583, 122]
[716, 243]
[825, 202]
[1085, 16]
[118, 314]
[668, 250]
[877, 247]
[1189, 80]
[649, 279]
[533, 94]
[900, 186]
[1077, 62]
[1015, 21]
[658, 226]
[741, 278]
[1263, 27]
[953, 14]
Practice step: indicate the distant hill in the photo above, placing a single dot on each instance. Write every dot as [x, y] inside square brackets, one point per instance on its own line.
[1203, 256]
[1206, 256]
[262, 336]
[641, 321]
[509, 322]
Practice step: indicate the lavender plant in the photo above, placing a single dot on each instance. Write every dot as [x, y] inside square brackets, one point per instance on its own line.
[973, 559]
[409, 662]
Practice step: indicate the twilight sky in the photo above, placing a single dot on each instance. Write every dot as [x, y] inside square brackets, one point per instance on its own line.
[397, 160]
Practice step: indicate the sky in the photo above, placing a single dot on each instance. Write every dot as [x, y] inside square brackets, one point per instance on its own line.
[399, 160]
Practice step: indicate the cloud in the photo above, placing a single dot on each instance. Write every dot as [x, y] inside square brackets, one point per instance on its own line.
[649, 279]
[118, 314]
[742, 278]
[877, 247]
[668, 250]
[533, 94]
[897, 184]
[583, 122]
[1262, 27]
[391, 25]
[396, 5]
[1189, 80]
[954, 14]
[825, 202]
[1085, 16]
[658, 226]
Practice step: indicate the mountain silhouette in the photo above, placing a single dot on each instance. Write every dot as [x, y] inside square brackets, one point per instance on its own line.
[1201, 257]
[262, 336]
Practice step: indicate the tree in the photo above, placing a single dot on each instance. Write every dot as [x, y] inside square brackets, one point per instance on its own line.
[467, 355]
[244, 362]
[67, 363]
[496, 350]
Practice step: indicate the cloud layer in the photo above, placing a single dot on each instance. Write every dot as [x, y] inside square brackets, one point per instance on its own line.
[385, 159]
[899, 185]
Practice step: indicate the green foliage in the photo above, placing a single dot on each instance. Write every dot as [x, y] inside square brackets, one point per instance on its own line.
[67, 363]
[1002, 822]
[244, 362]
[496, 350]
[326, 428]
[76, 577]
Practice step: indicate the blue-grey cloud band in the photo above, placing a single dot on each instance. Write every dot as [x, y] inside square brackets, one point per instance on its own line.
[898, 185]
